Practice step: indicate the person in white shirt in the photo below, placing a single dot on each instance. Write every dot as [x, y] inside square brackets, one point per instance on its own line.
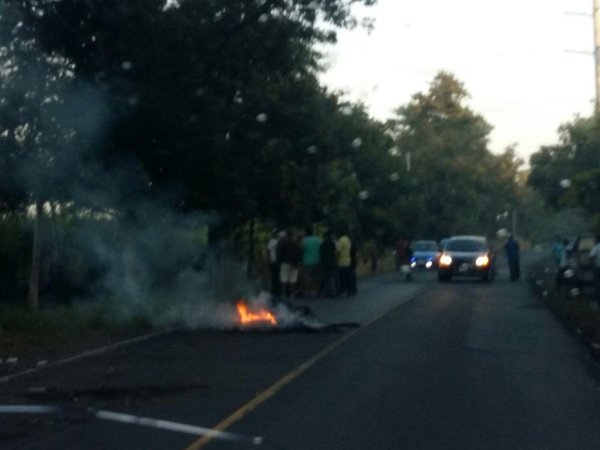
[595, 257]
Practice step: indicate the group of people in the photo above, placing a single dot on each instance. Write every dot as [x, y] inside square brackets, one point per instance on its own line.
[560, 249]
[306, 264]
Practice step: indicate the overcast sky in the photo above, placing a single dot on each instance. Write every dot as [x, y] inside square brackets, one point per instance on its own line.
[510, 54]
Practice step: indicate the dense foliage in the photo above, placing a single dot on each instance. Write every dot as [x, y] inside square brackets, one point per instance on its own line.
[567, 175]
[216, 105]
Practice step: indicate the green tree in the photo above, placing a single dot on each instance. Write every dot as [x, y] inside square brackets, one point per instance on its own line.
[458, 185]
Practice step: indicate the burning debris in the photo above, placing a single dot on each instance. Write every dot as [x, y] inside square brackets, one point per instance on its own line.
[261, 315]
[254, 315]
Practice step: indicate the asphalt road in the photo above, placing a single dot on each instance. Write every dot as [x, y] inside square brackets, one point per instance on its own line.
[464, 365]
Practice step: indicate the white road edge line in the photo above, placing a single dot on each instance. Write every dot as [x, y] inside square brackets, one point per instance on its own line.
[28, 409]
[87, 354]
[176, 427]
[130, 419]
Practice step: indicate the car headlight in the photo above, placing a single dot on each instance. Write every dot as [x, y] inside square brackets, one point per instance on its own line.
[428, 264]
[482, 261]
[445, 260]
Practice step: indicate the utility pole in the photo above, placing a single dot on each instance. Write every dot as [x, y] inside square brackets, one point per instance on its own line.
[596, 16]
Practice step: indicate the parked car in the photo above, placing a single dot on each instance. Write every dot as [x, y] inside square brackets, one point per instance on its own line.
[424, 254]
[469, 256]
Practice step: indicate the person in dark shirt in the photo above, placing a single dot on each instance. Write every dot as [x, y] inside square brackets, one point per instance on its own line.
[512, 255]
[328, 265]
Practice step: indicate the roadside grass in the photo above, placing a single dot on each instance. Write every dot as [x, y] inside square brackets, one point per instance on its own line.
[21, 327]
[575, 309]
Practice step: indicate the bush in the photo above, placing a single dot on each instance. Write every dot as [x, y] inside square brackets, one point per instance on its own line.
[577, 313]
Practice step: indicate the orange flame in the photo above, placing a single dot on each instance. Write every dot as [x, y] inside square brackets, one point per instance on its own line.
[256, 316]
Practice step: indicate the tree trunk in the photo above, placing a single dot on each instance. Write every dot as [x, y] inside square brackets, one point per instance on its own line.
[250, 267]
[33, 301]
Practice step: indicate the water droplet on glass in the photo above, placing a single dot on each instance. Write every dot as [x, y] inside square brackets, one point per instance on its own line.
[263, 18]
[356, 143]
[199, 92]
[569, 273]
[566, 183]
[126, 65]
[312, 149]
[262, 118]
[171, 4]
[132, 101]
[574, 292]
[363, 195]
[394, 151]
[395, 177]
[346, 110]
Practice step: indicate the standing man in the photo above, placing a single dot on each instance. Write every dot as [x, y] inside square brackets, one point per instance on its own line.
[344, 261]
[557, 249]
[512, 255]
[403, 254]
[353, 264]
[310, 261]
[563, 263]
[273, 264]
[290, 256]
[595, 257]
[328, 266]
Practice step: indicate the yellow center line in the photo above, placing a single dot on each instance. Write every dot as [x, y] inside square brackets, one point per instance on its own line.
[287, 379]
